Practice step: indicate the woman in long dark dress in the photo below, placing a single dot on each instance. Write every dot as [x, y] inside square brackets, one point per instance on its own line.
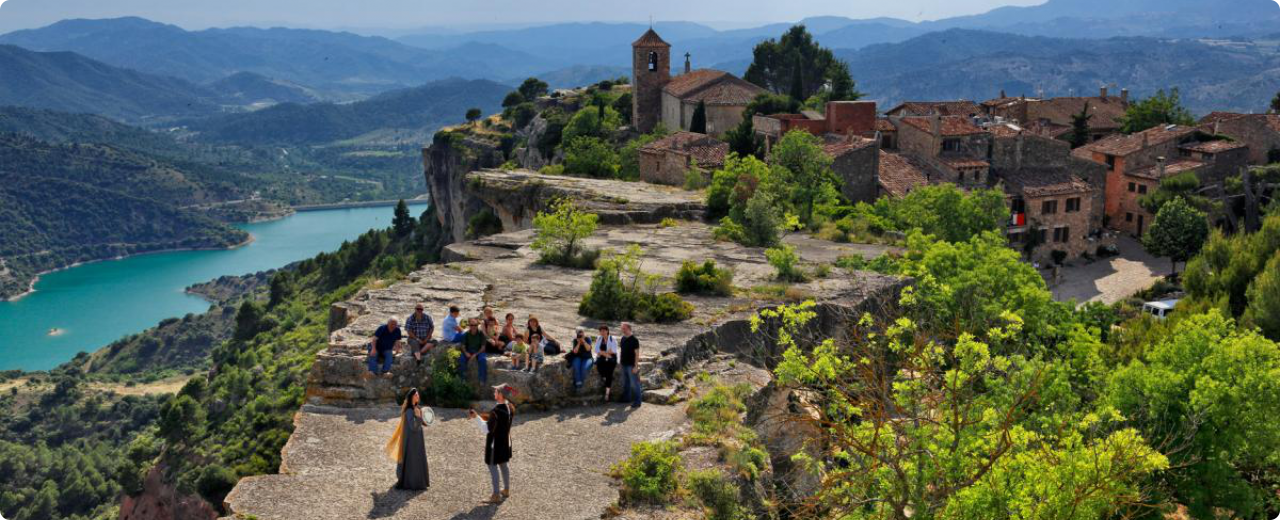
[497, 442]
[412, 471]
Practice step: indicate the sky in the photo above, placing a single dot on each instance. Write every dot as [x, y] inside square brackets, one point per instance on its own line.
[472, 14]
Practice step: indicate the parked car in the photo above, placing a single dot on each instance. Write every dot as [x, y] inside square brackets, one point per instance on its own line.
[1159, 309]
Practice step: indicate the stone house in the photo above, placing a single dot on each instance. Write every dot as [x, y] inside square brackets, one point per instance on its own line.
[660, 98]
[845, 118]
[667, 160]
[857, 161]
[1015, 149]
[961, 108]
[1134, 165]
[1261, 132]
[954, 148]
[1051, 210]
[1053, 116]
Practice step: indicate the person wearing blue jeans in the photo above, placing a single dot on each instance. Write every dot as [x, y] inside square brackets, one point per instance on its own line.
[630, 347]
[383, 346]
[473, 342]
[579, 358]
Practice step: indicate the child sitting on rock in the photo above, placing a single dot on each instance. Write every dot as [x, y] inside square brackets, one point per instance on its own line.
[518, 350]
[536, 353]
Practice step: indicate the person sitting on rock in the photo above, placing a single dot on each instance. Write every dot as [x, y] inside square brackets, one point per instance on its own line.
[606, 352]
[550, 347]
[518, 350]
[452, 330]
[579, 358]
[535, 356]
[473, 343]
[508, 333]
[383, 347]
[420, 329]
[494, 345]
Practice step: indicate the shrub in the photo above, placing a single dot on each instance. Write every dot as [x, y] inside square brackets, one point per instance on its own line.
[215, 482]
[718, 495]
[591, 156]
[694, 179]
[704, 278]
[668, 223]
[446, 387]
[649, 475]
[663, 308]
[560, 233]
[520, 115]
[785, 261]
[749, 461]
[717, 413]
[883, 264]
[483, 224]
[620, 290]
[552, 169]
[607, 299]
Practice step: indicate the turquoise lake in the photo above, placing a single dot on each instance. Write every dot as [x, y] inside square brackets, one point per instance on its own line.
[101, 302]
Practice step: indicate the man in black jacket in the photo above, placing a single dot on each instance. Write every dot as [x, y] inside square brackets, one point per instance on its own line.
[630, 362]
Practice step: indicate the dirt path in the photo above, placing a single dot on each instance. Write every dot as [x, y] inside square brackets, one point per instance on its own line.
[334, 467]
[164, 386]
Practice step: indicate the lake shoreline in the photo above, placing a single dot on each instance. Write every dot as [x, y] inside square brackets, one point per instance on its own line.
[354, 205]
[31, 288]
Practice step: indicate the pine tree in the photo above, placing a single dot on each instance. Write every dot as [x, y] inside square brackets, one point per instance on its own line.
[699, 123]
[1080, 127]
[797, 81]
[402, 222]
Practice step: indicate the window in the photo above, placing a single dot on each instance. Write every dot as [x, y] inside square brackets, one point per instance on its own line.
[1133, 187]
[1073, 204]
[1016, 238]
[950, 145]
[977, 176]
[1128, 217]
[1142, 189]
[1018, 206]
[1040, 235]
[1049, 207]
[653, 61]
[1061, 234]
[1111, 162]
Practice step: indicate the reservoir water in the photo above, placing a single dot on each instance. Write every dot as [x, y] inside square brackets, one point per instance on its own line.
[93, 304]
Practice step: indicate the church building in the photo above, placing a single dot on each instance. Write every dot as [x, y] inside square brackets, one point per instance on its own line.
[659, 98]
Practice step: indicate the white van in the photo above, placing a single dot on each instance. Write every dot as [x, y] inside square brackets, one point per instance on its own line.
[1159, 309]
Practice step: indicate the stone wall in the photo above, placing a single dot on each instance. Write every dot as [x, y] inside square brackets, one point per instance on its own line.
[860, 171]
[663, 167]
[1255, 131]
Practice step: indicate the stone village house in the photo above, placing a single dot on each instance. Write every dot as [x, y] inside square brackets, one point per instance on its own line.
[1261, 132]
[667, 160]
[1052, 117]
[659, 98]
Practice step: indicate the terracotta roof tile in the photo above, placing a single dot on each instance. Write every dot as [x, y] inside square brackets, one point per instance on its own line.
[726, 92]
[1122, 145]
[649, 38]
[1219, 146]
[1106, 111]
[884, 125]
[940, 108]
[837, 145]
[1172, 168]
[708, 151]
[951, 126]
[685, 84]
[964, 162]
[1214, 117]
[1043, 182]
[899, 174]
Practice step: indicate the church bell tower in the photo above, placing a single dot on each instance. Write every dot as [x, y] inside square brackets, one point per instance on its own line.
[650, 72]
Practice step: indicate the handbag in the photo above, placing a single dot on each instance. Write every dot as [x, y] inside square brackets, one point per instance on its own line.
[551, 349]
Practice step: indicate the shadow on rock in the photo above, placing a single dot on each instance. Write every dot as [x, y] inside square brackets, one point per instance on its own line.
[480, 512]
[391, 501]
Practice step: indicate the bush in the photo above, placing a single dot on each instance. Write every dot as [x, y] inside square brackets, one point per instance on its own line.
[608, 298]
[695, 179]
[591, 156]
[483, 224]
[620, 290]
[552, 169]
[520, 115]
[560, 233]
[663, 308]
[446, 387]
[215, 482]
[649, 475]
[786, 262]
[668, 223]
[704, 279]
[718, 495]
[749, 461]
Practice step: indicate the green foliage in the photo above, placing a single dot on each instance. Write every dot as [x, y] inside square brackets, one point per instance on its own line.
[1163, 108]
[1209, 392]
[724, 193]
[1264, 300]
[1080, 133]
[945, 212]
[1227, 266]
[718, 495]
[532, 88]
[1178, 232]
[622, 106]
[599, 122]
[591, 156]
[483, 224]
[629, 156]
[560, 233]
[796, 63]
[694, 178]
[215, 482]
[520, 115]
[551, 138]
[447, 388]
[650, 474]
[704, 278]
[1185, 185]
[786, 264]
[513, 99]
[883, 264]
[402, 222]
[698, 124]
[802, 180]
[1275, 104]
[473, 114]
[621, 290]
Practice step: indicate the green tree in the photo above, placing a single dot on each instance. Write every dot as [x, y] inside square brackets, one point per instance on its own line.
[723, 195]
[402, 222]
[622, 106]
[795, 63]
[629, 157]
[1227, 266]
[532, 88]
[946, 212]
[698, 124]
[1178, 232]
[592, 123]
[248, 321]
[514, 98]
[1208, 393]
[1164, 108]
[561, 230]
[1080, 127]
[1264, 300]
[591, 156]
[473, 114]
[181, 419]
[802, 176]
[1275, 104]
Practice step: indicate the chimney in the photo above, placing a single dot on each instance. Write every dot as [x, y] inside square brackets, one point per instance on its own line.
[1145, 140]
[688, 67]
[936, 121]
[1160, 166]
[1124, 96]
[1104, 92]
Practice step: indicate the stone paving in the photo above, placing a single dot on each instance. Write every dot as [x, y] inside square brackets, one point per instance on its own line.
[334, 467]
[1113, 279]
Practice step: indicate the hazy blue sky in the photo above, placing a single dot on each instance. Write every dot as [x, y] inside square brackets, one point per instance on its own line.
[404, 14]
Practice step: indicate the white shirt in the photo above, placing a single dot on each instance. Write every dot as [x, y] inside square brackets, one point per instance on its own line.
[611, 346]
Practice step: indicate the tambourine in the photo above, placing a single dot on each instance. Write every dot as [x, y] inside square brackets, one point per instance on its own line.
[428, 416]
